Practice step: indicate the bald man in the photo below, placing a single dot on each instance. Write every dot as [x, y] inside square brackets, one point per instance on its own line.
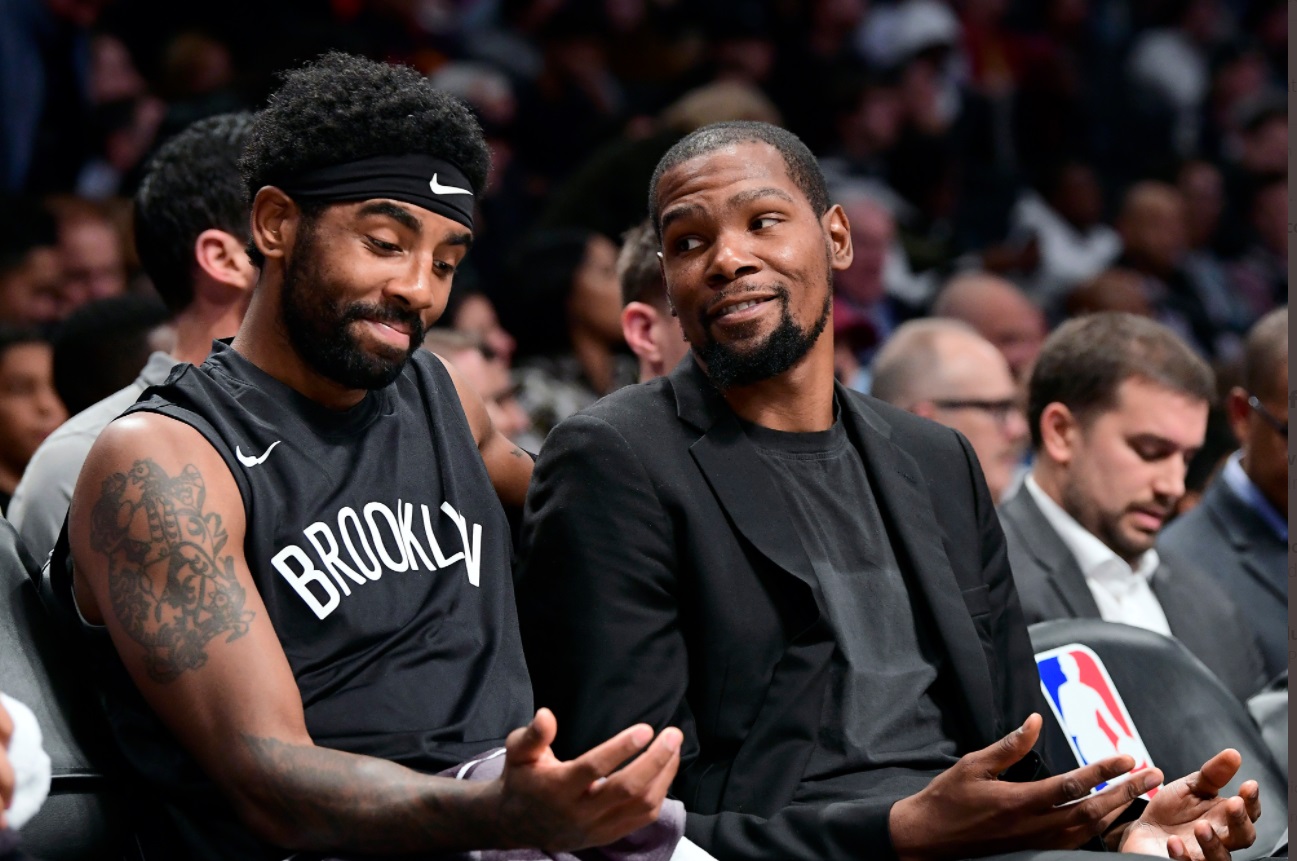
[1000, 313]
[943, 370]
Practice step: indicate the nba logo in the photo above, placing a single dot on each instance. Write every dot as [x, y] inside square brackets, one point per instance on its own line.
[1088, 708]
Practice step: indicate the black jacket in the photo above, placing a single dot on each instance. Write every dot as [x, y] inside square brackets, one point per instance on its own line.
[660, 580]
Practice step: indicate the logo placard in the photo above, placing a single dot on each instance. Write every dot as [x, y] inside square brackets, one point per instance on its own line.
[1086, 704]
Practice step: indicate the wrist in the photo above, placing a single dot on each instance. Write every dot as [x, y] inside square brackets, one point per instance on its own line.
[903, 828]
[1115, 837]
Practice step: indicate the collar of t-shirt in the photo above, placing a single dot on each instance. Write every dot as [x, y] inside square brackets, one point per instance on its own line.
[157, 369]
[1245, 489]
[1122, 593]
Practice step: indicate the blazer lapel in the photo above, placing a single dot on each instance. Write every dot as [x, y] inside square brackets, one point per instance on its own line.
[1053, 556]
[733, 469]
[1246, 535]
[913, 526]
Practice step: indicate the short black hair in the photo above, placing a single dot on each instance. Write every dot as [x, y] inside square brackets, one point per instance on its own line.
[1085, 361]
[24, 225]
[802, 167]
[638, 270]
[102, 346]
[15, 336]
[342, 108]
[192, 184]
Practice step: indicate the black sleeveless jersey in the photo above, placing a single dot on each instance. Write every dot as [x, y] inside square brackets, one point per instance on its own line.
[382, 554]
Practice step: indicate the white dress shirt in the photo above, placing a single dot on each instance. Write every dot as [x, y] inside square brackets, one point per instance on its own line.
[1124, 594]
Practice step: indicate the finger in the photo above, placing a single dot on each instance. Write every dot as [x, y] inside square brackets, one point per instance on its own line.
[1212, 848]
[1076, 784]
[1208, 781]
[600, 761]
[1240, 833]
[1175, 849]
[991, 760]
[527, 744]
[1096, 810]
[6, 727]
[635, 779]
[1250, 792]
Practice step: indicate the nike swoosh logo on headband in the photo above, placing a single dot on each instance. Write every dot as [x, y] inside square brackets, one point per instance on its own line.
[438, 188]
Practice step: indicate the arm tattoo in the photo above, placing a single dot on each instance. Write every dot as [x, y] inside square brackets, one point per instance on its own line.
[170, 587]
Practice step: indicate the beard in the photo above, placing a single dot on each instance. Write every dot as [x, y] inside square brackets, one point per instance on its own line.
[730, 367]
[319, 324]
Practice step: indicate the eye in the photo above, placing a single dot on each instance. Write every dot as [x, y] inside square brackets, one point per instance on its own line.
[385, 247]
[687, 243]
[763, 221]
[444, 267]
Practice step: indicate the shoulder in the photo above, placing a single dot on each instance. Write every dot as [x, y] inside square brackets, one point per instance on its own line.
[633, 411]
[1192, 534]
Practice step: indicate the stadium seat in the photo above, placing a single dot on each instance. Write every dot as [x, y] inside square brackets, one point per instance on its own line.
[84, 817]
[1269, 709]
[1182, 712]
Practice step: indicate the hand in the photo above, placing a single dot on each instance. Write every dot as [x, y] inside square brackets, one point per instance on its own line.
[1189, 821]
[564, 806]
[7, 776]
[968, 811]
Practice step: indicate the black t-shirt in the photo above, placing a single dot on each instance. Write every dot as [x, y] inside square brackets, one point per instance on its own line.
[881, 708]
[382, 554]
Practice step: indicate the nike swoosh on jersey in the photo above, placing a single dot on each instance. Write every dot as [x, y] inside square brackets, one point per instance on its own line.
[250, 461]
[438, 188]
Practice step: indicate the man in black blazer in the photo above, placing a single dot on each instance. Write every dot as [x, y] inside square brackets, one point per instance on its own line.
[1239, 532]
[1117, 405]
[812, 585]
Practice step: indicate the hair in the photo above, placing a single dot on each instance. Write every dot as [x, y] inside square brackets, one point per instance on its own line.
[24, 225]
[1265, 352]
[192, 185]
[638, 270]
[16, 336]
[539, 277]
[800, 163]
[910, 356]
[1085, 361]
[102, 346]
[342, 108]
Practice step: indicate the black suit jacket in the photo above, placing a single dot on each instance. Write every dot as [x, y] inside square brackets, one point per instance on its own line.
[1229, 541]
[661, 580]
[1201, 615]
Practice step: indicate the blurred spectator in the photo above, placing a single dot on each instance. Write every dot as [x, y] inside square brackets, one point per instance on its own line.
[1116, 405]
[1168, 71]
[1239, 533]
[1000, 313]
[1066, 218]
[945, 371]
[649, 325]
[867, 124]
[1206, 463]
[31, 274]
[91, 252]
[564, 307]
[471, 312]
[487, 373]
[44, 92]
[191, 229]
[30, 409]
[1114, 289]
[197, 80]
[125, 119]
[1155, 239]
[102, 346]
[1261, 275]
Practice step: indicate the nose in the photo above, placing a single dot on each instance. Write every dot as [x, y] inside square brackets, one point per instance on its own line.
[415, 288]
[1168, 483]
[731, 259]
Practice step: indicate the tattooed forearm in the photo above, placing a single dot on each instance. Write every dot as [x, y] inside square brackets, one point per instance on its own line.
[171, 588]
[337, 799]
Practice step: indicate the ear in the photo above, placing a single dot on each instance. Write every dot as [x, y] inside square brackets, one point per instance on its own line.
[637, 321]
[1059, 429]
[274, 219]
[223, 259]
[838, 230]
[927, 409]
[1238, 413]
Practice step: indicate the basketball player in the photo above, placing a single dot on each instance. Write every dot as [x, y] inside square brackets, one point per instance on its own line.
[292, 563]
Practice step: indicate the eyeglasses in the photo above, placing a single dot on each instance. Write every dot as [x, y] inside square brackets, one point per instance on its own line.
[998, 410]
[1270, 418]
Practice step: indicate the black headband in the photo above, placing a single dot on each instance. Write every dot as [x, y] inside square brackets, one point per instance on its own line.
[432, 183]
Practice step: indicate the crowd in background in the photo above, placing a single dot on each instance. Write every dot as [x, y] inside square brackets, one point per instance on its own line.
[1004, 162]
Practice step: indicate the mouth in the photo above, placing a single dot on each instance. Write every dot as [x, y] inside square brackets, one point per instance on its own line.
[1149, 519]
[736, 311]
[392, 332]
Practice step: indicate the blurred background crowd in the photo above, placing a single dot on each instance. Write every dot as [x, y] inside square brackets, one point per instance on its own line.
[1008, 163]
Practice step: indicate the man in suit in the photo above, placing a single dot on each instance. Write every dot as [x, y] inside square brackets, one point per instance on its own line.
[1239, 532]
[684, 561]
[1117, 405]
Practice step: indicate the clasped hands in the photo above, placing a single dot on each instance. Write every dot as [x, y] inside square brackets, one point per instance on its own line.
[968, 811]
